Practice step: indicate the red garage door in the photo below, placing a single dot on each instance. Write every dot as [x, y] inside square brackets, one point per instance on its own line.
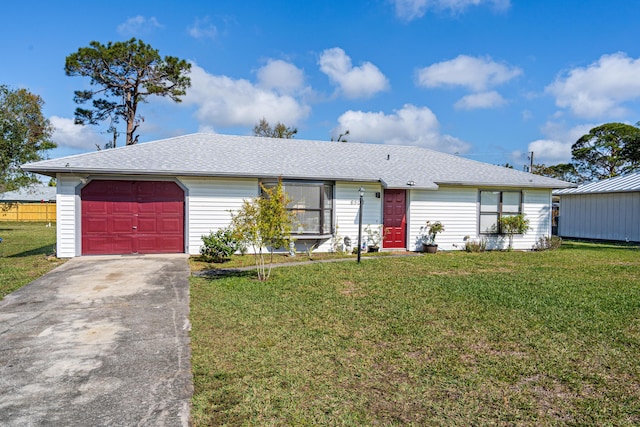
[130, 217]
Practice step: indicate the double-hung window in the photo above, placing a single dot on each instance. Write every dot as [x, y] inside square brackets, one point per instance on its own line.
[312, 205]
[495, 205]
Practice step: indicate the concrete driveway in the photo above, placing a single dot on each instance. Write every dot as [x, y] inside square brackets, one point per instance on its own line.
[98, 341]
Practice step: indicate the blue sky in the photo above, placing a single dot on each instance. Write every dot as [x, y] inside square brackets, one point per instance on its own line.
[490, 80]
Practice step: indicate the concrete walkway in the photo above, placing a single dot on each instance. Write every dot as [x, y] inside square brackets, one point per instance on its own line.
[98, 341]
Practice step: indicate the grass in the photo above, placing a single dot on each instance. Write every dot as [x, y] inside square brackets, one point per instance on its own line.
[24, 253]
[495, 338]
[199, 263]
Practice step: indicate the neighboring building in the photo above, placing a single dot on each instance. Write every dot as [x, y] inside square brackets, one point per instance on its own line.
[34, 203]
[163, 196]
[603, 210]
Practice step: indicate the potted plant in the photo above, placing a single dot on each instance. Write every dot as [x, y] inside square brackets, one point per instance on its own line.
[374, 238]
[428, 238]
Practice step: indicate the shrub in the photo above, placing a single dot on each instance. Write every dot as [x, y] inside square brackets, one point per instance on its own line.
[513, 224]
[220, 245]
[545, 243]
[475, 245]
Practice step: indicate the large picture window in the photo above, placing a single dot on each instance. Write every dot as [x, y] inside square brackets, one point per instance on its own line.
[312, 205]
[496, 204]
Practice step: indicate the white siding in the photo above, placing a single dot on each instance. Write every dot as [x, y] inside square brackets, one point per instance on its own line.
[347, 201]
[455, 207]
[67, 216]
[608, 216]
[210, 201]
[209, 204]
[537, 209]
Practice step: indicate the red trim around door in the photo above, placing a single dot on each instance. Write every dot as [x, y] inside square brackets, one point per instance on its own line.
[394, 217]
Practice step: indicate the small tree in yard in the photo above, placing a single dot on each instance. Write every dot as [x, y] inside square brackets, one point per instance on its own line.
[264, 223]
[513, 224]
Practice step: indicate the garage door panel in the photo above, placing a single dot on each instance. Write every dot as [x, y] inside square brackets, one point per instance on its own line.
[93, 245]
[172, 208]
[148, 207]
[114, 245]
[170, 225]
[122, 207]
[96, 225]
[121, 225]
[121, 217]
[94, 207]
[158, 244]
[147, 225]
[176, 207]
[123, 244]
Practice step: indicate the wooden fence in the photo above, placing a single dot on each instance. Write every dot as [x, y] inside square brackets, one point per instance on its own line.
[33, 212]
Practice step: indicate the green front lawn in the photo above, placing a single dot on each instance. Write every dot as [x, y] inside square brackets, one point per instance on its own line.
[24, 253]
[496, 338]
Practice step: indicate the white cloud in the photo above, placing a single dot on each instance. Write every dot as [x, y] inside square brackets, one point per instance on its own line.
[480, 100]
[560, 131]
[556, 146]
[203, 29]
[600, 89]
[474, 73]
[138, 25]
[363, 81]
[550, 152]
[68, 134]
[413, 9]
[410, 125]
[223, 102]
[281, 76]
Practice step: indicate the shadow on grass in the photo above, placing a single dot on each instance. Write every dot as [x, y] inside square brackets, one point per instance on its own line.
[597, 245]
[227, 272]
[43, 250]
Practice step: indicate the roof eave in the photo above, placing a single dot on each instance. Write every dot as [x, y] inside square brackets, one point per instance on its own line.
[506, 185]
[52, 171]
[573, 193]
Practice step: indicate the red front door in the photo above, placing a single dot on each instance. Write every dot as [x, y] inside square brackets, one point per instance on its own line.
[128, 217]
[395, 219]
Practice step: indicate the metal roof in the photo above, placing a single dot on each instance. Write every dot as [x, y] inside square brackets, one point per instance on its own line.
[218, 155]
[34, 193]
[618, 184]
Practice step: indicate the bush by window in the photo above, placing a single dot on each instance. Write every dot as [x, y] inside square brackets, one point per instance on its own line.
[495, 205]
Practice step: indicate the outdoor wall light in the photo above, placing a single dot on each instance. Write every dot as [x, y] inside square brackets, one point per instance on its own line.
[411, 183]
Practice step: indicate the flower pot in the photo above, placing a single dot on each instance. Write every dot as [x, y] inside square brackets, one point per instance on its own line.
[373, 249]
[430, 249]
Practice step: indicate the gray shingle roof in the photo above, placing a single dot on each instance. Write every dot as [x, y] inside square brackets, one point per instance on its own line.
[619, 184]
[247, 156]
[34, 193]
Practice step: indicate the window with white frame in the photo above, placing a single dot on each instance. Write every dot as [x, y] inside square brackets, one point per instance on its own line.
[312, 205]
[495, 205]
